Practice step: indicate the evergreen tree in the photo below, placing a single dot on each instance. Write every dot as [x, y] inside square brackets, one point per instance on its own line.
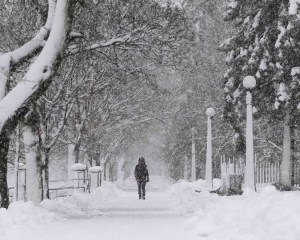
[264, 45]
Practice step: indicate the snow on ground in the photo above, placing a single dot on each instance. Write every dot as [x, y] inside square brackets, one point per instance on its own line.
[83, 205]
[178, 213]
[268, 215]
[107, 214]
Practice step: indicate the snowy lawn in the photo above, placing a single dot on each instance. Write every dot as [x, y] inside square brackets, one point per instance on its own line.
[178, 213]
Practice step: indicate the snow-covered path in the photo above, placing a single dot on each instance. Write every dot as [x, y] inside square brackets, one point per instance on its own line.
[124, 217]
[110, 214]
[127, 218]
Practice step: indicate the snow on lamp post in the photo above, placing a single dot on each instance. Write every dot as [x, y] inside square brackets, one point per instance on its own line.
[210, 112]
[249, 83]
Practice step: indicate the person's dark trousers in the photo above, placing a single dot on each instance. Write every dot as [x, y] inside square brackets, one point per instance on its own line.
[141, 188]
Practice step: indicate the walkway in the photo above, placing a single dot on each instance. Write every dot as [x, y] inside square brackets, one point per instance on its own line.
[125, 217]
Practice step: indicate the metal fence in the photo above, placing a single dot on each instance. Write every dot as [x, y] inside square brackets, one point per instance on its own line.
[63, 188]
[57, 188]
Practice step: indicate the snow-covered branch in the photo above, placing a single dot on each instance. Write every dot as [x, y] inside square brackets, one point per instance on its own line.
[45, 66]
[7, 59]
[270, 142]
[113, 147]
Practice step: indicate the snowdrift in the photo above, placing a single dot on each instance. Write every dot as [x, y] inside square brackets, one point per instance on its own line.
[267, 215]
[21, 216]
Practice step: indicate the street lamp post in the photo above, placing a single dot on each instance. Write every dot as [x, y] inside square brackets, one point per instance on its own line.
[210, 112]
[249, 83]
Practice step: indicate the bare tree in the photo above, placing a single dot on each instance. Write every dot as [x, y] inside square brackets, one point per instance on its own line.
[15, 104]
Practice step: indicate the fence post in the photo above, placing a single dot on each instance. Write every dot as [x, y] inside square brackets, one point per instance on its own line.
[95, 176]
[78, 183]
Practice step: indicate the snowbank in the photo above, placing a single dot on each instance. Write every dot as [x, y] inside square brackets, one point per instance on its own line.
[81, 204]
[25, 216]
[260, 216]
[21, 216]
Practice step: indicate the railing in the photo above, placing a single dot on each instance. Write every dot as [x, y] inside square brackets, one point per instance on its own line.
[64, 188]
[23, 192]
[55, 190]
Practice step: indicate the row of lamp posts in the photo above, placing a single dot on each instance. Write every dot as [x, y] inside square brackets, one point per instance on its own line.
[249, 82]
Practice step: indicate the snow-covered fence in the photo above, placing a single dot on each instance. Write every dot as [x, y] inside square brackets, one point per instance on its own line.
[80, 182]
[296, 174]
[60, 188]
[83, 181]
[231, 166]
[266, 173]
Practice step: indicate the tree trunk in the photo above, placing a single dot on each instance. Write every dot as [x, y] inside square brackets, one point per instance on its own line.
[5, 135]
[286, 155]
[107, 171]
[17, 157]
[46, 176]
[185, 171]
[33, 164]
[4, 145]
[71, 161]
[103, 167]
[87, 160]
[34, 183]
[94, 162]
[193, 177]
[293, 158]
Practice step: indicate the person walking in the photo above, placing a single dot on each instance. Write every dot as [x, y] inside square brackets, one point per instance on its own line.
[141, 176]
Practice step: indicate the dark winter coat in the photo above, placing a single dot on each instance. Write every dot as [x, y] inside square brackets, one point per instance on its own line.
[141, 172]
